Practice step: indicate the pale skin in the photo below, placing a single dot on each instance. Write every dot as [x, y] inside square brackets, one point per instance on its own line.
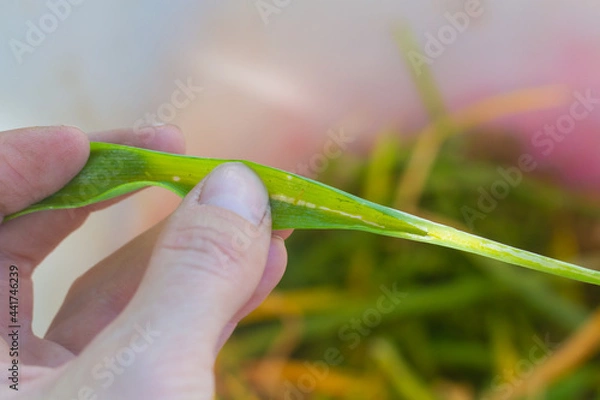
[148, 320]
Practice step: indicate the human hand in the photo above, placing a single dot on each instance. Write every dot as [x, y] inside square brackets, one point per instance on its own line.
[147, 321]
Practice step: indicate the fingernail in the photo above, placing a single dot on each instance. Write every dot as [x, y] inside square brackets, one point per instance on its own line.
[235, 187]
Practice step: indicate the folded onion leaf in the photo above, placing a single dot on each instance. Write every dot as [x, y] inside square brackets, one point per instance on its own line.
[296, 202]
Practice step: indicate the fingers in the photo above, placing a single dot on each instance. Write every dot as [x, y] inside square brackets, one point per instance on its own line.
[206, 267]
[276, 262]
[27, 240]
[36, 162]
[98, 296]
[167, 138]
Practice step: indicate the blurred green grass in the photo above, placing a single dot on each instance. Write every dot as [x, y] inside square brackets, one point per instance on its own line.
[460, 327]
[465, 326]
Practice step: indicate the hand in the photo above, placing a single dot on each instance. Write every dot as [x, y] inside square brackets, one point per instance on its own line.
[148, 321]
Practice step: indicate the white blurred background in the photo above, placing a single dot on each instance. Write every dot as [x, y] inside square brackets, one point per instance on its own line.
[276, 77]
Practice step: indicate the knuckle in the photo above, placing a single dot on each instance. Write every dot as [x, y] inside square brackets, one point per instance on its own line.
[207, 248]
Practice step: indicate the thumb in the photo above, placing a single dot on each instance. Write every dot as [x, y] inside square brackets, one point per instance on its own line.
[208, 261]
[205, 268]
